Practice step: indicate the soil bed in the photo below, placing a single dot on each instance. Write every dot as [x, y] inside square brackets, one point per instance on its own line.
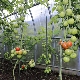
[30, 74]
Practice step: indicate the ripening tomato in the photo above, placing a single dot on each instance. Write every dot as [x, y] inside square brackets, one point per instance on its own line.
[69, 44]
[17, 48]
[64, 45]
[20, 52]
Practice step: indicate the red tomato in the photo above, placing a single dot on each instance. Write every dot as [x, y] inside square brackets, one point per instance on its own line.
[64, 45]
[23, 66]
[69, 44]
[17, 48]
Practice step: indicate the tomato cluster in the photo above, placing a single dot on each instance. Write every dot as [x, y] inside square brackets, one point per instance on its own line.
[18, 52]
[68, 50]
[65, 45]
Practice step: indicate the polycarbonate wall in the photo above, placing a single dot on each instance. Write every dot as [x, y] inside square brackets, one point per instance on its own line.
[39, 14]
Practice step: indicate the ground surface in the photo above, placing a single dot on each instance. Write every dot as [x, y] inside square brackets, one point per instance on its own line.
[31, 73]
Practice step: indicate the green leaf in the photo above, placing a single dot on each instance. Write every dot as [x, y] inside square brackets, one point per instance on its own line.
[56, 0]
[53, 9]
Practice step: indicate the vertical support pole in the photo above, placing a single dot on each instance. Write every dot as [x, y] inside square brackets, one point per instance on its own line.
[53, 56]
[46, 35]
[35, 53]
[60, 66]
[46, 42]
[78, 62]
[19, 72]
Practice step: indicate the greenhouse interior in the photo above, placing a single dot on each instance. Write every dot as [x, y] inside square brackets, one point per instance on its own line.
[39, 39]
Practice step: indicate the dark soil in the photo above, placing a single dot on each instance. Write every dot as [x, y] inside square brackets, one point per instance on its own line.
[30, 74]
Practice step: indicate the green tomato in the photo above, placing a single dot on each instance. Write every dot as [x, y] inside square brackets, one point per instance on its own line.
[68, 51]
[65, 23]
[12, 55]
[17, 37]
[15, 53]
[75, 47]
[59, 8]
[65, 2]
[24, 52]
[43, 55]
[15, 31]
[32, 65]
[19, 22]
[49, 55]
[66, 59]
[72, 51]
[12, 51]
[62, 14]
[21, 8]
[73, 39]
[74, 31]
[78, 17]
[71, 21]
[73, 55]
[69, 31]
[19, 56]
[15, 25]
[22, 18]
[69, 12]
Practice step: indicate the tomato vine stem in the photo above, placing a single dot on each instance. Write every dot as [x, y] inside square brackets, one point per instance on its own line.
[14, 69]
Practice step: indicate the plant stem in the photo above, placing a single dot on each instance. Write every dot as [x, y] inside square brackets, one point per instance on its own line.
[65, 31]
[60, 67]
[14, 69]
[69, 4]
[21, 37]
